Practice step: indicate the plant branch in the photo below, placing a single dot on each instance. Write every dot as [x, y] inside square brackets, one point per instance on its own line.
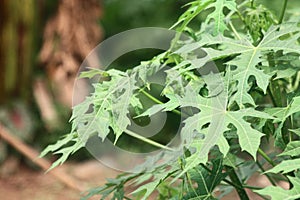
[234, 178]
[232, 183]
[266, 157]
[267, 175]
[144, 139]
[234, 31]
[252, 3]
[282, 12]
[151, 97]
[177, 112]
[33, 155]
[239, 187]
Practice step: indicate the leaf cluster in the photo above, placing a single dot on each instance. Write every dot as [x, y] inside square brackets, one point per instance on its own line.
[253, 98]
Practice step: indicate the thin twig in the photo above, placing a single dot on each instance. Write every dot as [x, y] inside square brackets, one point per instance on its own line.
[144, 139]
[266, 157]
[266, 174]
[282, 12]
[234, 178]
[33, 155]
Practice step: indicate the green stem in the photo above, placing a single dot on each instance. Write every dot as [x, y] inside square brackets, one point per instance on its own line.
[240, 187]
[269, 160]
[282, 12]
[266, 174]
[177, 112]
[266, 157]
[225, 180]
[234, 178]
[278, 98]
[144, 139]
[151, 97]
[252, 3]
[252, 187]
[234, 31]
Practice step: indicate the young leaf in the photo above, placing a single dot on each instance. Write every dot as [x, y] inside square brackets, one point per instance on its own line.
[218, 15]
[115, 186]
[196, 7]
[91, 73]
[247, 57]
[60, 147]
[249, 138]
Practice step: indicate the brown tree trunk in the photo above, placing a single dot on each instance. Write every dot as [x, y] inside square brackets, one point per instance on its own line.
[68, 38]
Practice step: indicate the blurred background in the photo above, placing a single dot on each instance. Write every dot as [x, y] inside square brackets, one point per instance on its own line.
[42, 44]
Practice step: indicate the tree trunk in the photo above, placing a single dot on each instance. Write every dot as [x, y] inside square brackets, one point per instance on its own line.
[17, 22]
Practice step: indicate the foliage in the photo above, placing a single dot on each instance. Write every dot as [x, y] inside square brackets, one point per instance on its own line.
[252, 98]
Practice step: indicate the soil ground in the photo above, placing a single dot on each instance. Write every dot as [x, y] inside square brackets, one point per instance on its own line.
[28, 184]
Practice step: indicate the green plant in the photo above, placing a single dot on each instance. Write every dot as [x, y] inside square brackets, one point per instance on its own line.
[257, 56]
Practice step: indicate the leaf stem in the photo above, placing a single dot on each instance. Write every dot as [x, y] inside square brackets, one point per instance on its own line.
[232, 183]
[282, 12]
[234, 178]
[151, 97]
[234, 31]
[177, 112]
[278, 98]
[144, 139]
[252, 187]
[225, 180]
[266, 174]
[266, 157]
[252, 3]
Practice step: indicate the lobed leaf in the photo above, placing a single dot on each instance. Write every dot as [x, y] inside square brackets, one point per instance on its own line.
[278, 193]
[292, 149]
[286, 166]
[218, 15]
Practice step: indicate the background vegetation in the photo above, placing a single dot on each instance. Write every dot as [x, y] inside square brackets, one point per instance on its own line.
[42, 48]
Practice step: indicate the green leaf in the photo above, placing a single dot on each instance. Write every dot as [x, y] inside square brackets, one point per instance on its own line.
[247, 57]
[218, 15]
[91, 73]
[281, 114]
[206, 181]
[120, 105]
[60, 143]
[249, 138]
[115, 186]
[278, 193]
[285, 73]
[172, 104]
[230, 160]
[196, 7]
[66, 146]
[158, 176]
[292, 149]
[296, 131]
[294, 106]
[286, 166]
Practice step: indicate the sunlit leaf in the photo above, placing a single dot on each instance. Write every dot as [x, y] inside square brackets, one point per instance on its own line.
[278, 193]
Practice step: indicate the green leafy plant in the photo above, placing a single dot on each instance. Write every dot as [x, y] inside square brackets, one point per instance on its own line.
[257, 56]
